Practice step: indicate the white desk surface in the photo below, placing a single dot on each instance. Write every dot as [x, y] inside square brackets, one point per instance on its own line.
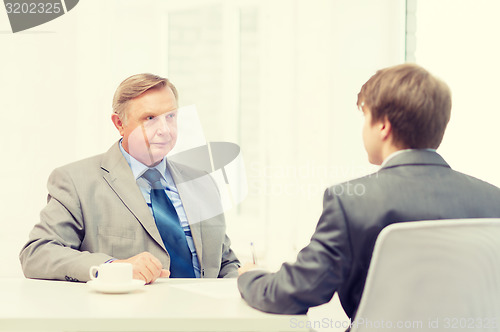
[166, 305]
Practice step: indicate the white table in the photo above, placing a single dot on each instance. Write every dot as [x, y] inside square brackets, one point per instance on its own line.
[166, 305]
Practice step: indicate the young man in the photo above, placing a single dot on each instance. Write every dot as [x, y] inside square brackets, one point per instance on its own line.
[127, 205]
[406, 111]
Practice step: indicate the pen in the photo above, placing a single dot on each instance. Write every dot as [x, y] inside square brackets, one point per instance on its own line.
[252, 249]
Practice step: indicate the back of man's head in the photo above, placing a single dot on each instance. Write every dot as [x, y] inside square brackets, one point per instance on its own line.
[416, 103]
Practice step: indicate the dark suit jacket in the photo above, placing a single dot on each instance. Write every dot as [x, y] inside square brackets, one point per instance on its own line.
[96, 211]
[414, 185]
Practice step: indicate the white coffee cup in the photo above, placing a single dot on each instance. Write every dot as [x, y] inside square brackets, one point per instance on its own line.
[115, 273]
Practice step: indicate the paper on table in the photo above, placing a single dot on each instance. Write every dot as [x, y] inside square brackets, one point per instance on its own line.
[219, 289]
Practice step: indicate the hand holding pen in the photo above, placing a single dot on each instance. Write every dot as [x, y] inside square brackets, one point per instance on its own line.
[249, 266]
[252, 250]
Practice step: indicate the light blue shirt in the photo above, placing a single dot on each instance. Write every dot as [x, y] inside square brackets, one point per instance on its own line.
[138, 169]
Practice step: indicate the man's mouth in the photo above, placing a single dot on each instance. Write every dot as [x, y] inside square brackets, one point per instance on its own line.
[159, 143]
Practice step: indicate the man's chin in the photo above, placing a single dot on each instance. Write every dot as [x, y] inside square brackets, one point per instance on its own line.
[158, 153]
[150, 160]
[153, 155]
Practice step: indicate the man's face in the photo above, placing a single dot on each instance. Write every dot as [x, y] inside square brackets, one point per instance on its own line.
[371, 137]
[151, 128]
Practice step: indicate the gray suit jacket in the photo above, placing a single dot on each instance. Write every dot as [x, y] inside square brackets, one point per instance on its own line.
[416, 185]
[95, 211]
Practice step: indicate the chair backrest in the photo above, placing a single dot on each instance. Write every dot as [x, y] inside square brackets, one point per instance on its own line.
[439, 275]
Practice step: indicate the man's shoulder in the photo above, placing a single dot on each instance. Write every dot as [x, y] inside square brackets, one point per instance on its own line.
[411, 186]
[86, 168]
[365, 180]
[79, 174]
[421, 175]
[82, 164]
[474, 182]
[89, 163]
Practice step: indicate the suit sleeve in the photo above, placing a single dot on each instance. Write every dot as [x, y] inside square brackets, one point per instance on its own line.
[320, 269]
[52, 251]
[230, 263]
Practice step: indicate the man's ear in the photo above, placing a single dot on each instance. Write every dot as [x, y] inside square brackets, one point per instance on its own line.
[385, 129]
[118, 123]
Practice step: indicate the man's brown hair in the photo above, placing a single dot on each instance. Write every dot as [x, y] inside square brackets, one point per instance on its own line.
[133, 87]
[417, 104]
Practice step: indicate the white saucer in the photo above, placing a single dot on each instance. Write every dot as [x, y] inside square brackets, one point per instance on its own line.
[112, 288]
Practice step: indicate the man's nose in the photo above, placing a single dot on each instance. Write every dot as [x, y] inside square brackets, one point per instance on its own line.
[162, 127]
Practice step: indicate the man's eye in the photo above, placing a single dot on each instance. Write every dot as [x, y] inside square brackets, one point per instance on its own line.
[150, 117]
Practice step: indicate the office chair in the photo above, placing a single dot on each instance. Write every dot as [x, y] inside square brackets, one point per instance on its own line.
[439, 275]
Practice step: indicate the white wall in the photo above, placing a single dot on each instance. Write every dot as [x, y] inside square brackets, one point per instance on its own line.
[57, 81]
[326, 50]
[458, 41]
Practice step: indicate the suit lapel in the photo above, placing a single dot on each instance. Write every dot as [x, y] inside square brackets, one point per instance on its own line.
[118, 175]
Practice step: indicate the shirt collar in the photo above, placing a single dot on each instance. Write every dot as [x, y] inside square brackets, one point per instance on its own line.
[138, 168]
[394, 154]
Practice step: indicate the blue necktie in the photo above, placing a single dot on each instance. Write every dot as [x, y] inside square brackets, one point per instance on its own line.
[172, 234]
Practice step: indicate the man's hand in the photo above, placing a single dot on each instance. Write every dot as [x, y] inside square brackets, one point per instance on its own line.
[246, 267]
[146, 267]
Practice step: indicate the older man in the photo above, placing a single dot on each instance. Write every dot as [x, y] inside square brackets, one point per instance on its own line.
[125, 205]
